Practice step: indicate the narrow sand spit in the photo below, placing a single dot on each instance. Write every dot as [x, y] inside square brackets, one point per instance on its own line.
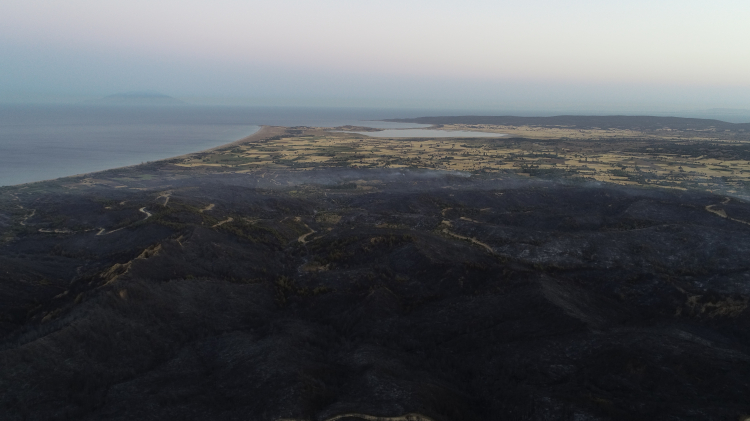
[265, 131]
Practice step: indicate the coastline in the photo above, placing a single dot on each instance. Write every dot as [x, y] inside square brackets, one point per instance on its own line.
[264, 131]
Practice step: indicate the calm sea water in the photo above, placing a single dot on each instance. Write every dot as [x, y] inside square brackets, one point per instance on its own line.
[46, 142]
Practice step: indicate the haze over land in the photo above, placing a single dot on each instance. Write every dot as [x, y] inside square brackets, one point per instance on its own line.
[531, 231]
[593, 271]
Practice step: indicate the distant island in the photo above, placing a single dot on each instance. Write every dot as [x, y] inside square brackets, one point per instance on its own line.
[137, 98]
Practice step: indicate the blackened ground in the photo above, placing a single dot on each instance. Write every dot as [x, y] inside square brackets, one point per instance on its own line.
[457, 299]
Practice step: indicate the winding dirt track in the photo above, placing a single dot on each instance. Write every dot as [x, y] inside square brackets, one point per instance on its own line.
[56, 231]
[103, 231]
[229, 219]
[473, 240]
[302, 238]
[143, 210]
[166, 197]
[723, 213]
[33, 212]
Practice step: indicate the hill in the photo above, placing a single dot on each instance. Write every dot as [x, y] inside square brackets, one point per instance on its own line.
[307, 295]
[588, 122]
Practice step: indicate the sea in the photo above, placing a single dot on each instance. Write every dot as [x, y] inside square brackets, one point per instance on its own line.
[51, 141]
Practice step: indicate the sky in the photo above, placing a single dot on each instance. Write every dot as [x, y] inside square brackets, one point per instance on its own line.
[530, 54]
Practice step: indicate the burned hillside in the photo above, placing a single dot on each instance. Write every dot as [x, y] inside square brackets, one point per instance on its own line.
[378, 292]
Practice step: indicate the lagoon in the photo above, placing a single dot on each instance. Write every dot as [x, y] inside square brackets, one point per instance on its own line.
[395, 133]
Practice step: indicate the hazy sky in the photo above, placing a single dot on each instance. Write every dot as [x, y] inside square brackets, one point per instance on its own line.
[530, 53]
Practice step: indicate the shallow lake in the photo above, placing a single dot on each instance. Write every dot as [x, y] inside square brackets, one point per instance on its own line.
[429, 133]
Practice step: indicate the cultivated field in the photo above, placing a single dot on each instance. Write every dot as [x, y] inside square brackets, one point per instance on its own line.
[666, 158]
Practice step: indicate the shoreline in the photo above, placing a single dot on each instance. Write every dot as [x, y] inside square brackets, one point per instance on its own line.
[337, 148]
[264, 131]
[260, 134]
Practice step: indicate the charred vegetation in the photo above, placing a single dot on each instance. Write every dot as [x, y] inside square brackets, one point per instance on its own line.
[308, 295]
